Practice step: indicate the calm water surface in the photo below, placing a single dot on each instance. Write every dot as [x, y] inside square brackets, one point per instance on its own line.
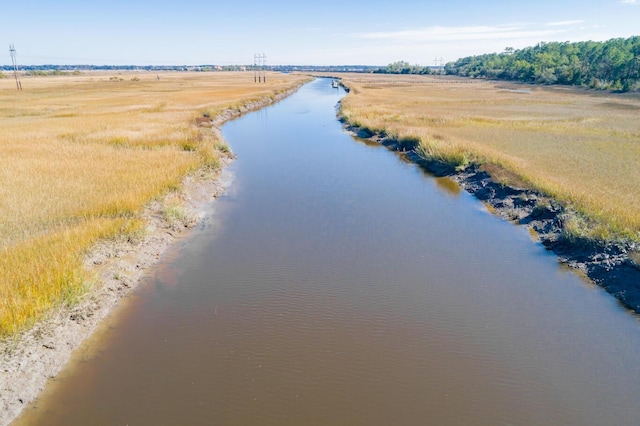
[336, 284]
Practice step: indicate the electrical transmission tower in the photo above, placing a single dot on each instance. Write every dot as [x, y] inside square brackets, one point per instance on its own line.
[12, 52]
[255, 68]
[439, 64]
[259, 72]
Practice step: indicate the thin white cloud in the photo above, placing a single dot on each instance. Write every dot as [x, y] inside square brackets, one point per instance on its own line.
[566, 23]
[480, 32]
[630, 1]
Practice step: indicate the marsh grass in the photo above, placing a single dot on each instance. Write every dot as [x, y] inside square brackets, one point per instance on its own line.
[81, 157]
[454, 155]
[48, 271]
[579, 147]
[174, 212]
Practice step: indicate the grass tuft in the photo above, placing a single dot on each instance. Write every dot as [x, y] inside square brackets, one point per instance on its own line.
[175, 214]
[453, 155]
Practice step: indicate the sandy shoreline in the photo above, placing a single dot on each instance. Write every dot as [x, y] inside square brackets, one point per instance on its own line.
[30, 359]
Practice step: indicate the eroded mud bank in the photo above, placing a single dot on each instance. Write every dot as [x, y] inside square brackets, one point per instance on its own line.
[607, 264]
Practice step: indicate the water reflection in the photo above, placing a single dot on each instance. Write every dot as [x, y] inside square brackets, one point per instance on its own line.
[448, 186]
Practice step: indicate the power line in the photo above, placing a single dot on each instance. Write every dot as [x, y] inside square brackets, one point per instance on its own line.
[12, 52]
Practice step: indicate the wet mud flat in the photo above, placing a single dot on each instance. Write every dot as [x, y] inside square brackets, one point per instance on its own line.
[608, 264]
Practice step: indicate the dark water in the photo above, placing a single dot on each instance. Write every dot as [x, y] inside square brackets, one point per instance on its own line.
[335, 284]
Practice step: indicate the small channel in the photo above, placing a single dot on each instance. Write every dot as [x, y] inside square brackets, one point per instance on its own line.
[337, 284]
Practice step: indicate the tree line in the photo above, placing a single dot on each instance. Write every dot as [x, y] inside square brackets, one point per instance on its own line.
[403, 67]
[612, 64]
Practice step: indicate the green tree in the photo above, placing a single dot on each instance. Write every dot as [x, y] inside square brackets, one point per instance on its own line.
[613, 64]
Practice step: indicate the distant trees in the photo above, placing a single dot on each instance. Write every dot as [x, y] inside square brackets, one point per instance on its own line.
[403, 67]
[613, 64]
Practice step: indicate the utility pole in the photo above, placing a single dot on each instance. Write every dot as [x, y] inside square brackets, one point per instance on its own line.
[259, 73]
[12, 52]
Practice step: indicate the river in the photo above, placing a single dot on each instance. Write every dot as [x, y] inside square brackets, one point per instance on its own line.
[337, 284]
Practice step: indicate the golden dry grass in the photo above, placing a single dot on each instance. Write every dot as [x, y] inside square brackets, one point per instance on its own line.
[82, 155]
[581, 147]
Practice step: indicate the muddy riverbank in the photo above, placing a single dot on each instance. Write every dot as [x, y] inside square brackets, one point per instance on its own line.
[29, 360]
[610, 265]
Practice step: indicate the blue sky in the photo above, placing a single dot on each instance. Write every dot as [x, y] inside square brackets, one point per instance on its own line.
[328, 32]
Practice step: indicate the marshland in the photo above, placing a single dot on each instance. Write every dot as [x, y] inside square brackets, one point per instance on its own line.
[336, 282]
[83, 154]
[580, 147]
[194, 231]
[561, 160]
[339, 236]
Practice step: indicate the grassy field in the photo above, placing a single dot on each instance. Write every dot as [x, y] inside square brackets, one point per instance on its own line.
[82, 155]
[580, 147]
